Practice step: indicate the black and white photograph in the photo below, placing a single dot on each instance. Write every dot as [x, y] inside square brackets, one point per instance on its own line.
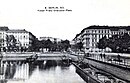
[64, 41]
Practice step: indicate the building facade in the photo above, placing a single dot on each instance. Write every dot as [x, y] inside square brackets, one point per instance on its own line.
[23, 38]
[3, 36]
[90, 36]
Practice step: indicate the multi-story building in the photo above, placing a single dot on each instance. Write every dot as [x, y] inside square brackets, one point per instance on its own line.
[3, 36]
[90, 36]
[24, 38]
[78, 38]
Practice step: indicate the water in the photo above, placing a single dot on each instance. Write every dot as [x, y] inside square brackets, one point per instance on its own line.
[42, 72]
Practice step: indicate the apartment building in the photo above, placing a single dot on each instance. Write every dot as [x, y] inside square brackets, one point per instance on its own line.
[3, 36]
[90, 36]
[24, 38]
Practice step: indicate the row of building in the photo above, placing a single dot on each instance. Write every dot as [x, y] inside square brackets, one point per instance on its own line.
[90, 36]
[23, 37]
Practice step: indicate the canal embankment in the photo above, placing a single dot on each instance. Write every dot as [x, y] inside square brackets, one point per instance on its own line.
[115, 71]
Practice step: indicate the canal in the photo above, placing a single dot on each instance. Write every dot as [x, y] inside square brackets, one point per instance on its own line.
[39, 72]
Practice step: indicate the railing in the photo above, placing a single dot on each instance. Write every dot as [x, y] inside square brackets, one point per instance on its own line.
[113, 58]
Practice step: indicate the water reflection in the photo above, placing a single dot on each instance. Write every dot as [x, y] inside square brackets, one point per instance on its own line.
[39, 72]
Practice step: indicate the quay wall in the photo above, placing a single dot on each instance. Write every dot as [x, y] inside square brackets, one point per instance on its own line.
[119, 72]
[113, 69]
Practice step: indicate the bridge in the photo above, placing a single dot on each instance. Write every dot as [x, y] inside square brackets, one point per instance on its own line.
[41, 56]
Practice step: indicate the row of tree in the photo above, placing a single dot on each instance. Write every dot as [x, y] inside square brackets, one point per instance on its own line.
[77, 47]
[36, 45]
[51, 46]
[117, 43]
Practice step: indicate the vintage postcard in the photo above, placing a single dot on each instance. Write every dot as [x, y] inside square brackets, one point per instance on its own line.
[64, 41]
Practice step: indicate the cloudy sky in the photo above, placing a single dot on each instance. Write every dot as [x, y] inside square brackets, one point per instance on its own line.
[23, 14]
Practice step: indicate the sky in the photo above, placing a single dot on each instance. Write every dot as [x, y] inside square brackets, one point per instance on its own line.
[23, 14]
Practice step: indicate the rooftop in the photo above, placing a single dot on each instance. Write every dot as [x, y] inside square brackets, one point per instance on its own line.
[112, 28]
[3, 28]
[108, 27]
[17, 31]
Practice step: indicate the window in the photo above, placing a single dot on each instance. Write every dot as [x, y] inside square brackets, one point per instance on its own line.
[102, 31]
[92, 40]
[95, 40]
[105, 31]
[95, 36]
[92, 31]
[95, 31]
[21, 37]
[99, 31]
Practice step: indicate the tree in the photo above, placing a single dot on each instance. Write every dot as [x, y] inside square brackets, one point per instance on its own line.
[102, 43]
[118, 43]
[47, 44]
[79, 46]
[36, 45]
[51, 46]
[11, 42]
[54, 46]
[65, 44]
